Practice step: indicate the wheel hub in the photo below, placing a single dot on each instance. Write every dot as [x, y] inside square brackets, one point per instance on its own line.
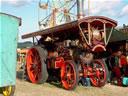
[68, 75]
[34, 65]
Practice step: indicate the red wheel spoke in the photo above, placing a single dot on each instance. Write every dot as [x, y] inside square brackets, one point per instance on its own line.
[34, 71]
[66, 71]
[101, 77]
[72, 80]
[31, 63]
[35, 77]
[39, 71]
[98, 78]
[38, 61]
[69, 69]
[31, 69]
[32, 56]
[72, 75]
[68, 81]
[37, 57]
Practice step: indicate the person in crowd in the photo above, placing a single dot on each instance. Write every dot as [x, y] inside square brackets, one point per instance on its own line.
[119, 66]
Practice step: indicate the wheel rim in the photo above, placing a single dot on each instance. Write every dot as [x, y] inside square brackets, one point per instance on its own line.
[100, 77]
[68, 75]
[34, 65]
[7, 91]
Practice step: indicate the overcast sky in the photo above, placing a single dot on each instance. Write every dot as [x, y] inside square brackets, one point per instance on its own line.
[28, 11]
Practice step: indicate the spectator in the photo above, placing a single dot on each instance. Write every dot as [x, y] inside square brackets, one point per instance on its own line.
[119, 67]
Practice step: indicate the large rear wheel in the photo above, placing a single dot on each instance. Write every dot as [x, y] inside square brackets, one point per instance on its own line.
[36, 65]
[100, 78]
[69, 75]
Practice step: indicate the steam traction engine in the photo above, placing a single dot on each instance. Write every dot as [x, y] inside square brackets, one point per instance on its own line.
[67, 51]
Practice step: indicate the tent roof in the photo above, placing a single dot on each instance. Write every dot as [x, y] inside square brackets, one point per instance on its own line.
[117, 35]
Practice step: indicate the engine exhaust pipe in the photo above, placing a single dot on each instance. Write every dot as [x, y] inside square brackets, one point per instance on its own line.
[80, 9]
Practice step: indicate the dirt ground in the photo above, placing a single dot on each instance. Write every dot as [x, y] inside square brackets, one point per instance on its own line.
[25, 88]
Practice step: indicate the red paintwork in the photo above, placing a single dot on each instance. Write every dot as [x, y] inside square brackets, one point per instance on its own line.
[55, 62]
[59, 62]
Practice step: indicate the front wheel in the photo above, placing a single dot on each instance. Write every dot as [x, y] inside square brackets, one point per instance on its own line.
[69, 75]
[8, 91]
[101, 73]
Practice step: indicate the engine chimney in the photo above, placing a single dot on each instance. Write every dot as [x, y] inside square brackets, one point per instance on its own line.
[80, 9]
